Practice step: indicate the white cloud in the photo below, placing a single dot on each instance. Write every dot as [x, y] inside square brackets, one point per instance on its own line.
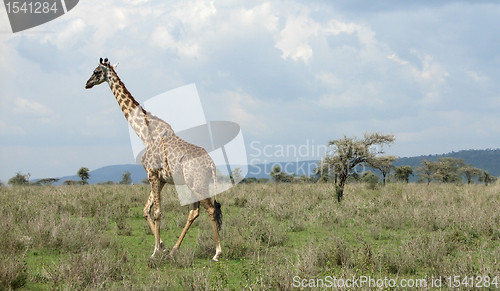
[477, 77]
[195, 13]
[27, 107]
[395, 58]
[329, 79]
[442, 126]
[293, 40]
[239, 106]
[432, 76]
[431, 72]
[162, 38]
[335, 27]
[66, 39]
[365, 34]
[181, 27]
[259, 15]
[361, 96]
[11, 129]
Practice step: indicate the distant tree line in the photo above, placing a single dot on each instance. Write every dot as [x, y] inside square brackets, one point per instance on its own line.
[452, 170]
[83, 173]
[21, 179]
[351, 156]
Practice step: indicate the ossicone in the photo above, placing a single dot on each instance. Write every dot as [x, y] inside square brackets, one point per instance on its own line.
[105, 63]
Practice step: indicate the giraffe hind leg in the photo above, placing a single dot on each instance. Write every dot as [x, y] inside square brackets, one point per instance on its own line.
[214, 217]
[194, 212]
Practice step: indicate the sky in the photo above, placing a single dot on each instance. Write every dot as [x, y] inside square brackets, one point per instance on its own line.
[290, 73]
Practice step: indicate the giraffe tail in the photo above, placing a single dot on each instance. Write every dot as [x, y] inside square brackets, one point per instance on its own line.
[217, 211]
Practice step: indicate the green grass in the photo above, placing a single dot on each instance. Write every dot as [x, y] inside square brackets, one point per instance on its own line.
[94, 237]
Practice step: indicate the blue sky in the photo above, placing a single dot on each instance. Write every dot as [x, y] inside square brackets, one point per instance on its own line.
[291, 73]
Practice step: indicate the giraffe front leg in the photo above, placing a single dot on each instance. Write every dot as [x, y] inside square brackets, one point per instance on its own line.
[146, 212]
[156, 187]
[157, 217]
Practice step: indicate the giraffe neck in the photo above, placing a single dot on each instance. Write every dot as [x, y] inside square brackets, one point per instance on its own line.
[125, 100]
[138, 118]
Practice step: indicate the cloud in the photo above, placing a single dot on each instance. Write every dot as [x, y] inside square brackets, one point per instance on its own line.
[395, 58]
[195, 13]
[293, 40]
[262, 15]
[285, 71]
[31, 108]
[162, 38]
[442, 127]
[477, 77]
[432, 76]
[240, 107]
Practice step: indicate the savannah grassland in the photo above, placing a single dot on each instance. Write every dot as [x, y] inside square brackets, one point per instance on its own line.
[94, 237]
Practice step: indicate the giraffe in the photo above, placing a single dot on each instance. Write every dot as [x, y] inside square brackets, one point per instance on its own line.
[167, 159]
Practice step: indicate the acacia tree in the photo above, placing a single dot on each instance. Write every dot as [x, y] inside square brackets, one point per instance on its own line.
[280, 176]
[46, 181]
[427, 170]
[448, 170]
[126, 178]
[348, 152]
[486, 178]
[383, 164]
[237, 175]
[84, 175]
[19, 179]
[403, 173]
[470, 172]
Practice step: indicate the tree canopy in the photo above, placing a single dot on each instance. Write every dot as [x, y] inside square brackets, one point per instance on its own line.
[280, 176]
[126, 178]
[84, 175]
[402, 173]
[19, 179]
[383, 164]
[349, 152]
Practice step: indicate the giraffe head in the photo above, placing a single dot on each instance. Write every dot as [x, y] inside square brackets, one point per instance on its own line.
[100, 74]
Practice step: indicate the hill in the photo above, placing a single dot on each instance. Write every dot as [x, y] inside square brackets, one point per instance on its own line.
[110, 173]
[488, 159]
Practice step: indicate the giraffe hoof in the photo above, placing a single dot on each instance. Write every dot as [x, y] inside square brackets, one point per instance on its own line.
[214, 261]
[173, 252]
[153, 262]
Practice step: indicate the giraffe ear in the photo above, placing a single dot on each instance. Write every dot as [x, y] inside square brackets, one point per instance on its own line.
[115, 65]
